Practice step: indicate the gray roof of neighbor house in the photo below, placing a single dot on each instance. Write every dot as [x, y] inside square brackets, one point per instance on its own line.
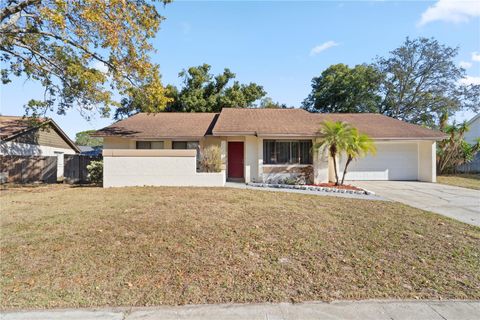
[14, 126]
[161, 125]
[474, 118]
[260, 122]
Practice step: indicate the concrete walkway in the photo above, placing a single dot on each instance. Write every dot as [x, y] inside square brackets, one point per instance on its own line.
[238, 185]
[458, 203]
[372, 310]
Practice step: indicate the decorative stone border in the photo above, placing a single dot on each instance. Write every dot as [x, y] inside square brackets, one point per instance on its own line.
[310, 188]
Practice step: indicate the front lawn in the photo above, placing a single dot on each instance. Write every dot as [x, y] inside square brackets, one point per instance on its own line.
[471, 181]
[83, 247]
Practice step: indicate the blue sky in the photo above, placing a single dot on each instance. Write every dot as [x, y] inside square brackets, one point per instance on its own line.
[282, 45]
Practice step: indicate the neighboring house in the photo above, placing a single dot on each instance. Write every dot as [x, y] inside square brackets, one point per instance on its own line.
[91, 151]
[259, 145]
[471, 137]
[23, 137]
[474, 130]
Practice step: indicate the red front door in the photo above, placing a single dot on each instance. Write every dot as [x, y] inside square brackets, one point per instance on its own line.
[235, 160]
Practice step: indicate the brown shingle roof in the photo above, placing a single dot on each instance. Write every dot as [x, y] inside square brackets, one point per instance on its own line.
[298, 122]
[13, 125]
[162, 125]
[287, 122]
[378, 126]
[260, 122]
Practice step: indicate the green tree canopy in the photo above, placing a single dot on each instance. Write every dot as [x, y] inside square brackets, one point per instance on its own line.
[81, 52]
[268, 103]
[201, 92]
[204, 92]
[454, 151]
[343, 89]
[422, 83]
[84, 138]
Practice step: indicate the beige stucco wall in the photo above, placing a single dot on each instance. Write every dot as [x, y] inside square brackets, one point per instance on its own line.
[321, 170]
[118, 143]
[256, 171]
[427, 165]
[160, 168]
[251, 158]
[124, 143]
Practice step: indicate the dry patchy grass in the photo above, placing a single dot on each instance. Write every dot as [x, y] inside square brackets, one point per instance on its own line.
[471, 181]
[83, 247]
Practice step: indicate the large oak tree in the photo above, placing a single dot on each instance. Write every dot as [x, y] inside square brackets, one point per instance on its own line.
[423, 83]
[345, 90]
[82, 52]
[201, 91]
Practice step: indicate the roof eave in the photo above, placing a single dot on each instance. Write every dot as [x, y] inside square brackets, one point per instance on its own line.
[152, 138]
[410, 138]
[233, 133]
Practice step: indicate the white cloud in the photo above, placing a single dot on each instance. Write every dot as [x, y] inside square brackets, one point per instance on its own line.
[475, 56]
[451, 11]
[465, 64]
[470, 80]
[322, 47]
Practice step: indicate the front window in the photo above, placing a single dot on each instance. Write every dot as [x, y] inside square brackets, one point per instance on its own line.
[149, 144]
[185, 145]
[287, 152]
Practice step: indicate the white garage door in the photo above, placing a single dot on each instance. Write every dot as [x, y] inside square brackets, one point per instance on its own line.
[393, 161]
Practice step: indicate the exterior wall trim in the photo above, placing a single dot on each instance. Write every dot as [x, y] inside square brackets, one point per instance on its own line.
[149, 153]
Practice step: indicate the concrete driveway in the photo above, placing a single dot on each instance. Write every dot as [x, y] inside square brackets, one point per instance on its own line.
[454, 202]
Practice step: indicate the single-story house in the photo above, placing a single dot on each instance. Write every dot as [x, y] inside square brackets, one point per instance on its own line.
[41, 137]
[258, 145]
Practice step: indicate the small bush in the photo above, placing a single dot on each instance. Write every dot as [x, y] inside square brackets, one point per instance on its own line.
[95, 172]
[290, 181]
[211, 159]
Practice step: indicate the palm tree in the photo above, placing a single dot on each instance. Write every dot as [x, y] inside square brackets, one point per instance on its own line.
[335, 137]
[359, 145]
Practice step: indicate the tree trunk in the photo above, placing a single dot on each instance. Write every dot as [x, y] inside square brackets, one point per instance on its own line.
[335, 168]
[349, 159]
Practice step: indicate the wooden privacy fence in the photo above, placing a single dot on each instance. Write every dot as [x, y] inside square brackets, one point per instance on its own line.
[75, 170]
[27, 169]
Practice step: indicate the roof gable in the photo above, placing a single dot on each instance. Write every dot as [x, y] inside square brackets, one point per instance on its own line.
[13, 127]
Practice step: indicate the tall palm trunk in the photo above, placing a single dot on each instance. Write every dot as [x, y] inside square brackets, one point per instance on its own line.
[333, 154]
[349, 159]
